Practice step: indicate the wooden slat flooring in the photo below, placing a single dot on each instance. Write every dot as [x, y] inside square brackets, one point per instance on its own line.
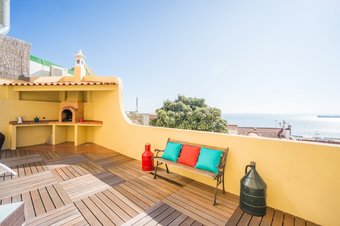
[22, 165]
[27, 183]
[87, 185]
[92, 185]
[273, 218]
[160, 214]
[111, 162]
[90, 167]
[69, 172]
[63, 162]
[66, 215]
[14, 161]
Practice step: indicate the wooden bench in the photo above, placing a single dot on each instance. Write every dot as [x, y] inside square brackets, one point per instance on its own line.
[219, 177]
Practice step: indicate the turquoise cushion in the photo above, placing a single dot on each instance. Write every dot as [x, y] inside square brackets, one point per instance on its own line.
[172, 151]
[209, 160]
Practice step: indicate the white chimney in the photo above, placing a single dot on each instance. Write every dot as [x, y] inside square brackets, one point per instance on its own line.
[79, 68]
[4, 17]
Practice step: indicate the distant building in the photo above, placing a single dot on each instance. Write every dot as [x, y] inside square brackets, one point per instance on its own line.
[281, 133]
[319, 140]
[44, 68]
[40, 67]
[16, 63]
[140, 118]
[14, 58]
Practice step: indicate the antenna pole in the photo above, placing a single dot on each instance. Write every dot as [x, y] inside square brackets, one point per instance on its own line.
[136, 104]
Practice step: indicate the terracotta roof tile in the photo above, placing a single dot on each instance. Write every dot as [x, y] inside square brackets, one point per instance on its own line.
[22, 83]
[264, 132]
[232, 126]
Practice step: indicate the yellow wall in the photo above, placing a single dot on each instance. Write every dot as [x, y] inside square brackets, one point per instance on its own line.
[40, 96]
[70, 133]
[302, 177]
[11, 107]
[60, 134]
[27, 136]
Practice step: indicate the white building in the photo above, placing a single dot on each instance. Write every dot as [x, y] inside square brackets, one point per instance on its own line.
[40, 67]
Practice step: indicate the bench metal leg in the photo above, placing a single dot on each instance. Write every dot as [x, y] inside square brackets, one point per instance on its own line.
[155, 174]
[167, 169]
[216, 192]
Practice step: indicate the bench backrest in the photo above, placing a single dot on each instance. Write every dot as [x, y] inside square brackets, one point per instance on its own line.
[224, 150]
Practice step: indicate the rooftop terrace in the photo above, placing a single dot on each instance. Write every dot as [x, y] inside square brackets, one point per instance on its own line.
[93, 185]
[88, 184]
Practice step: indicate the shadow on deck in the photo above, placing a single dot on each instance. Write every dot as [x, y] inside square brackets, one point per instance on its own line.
[92, 185]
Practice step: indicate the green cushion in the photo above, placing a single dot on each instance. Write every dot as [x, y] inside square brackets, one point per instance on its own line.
[172, 151]
[209, 159]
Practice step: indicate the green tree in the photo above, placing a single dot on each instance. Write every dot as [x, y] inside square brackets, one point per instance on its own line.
[190, 113]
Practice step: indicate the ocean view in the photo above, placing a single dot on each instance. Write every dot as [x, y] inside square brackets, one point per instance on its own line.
[306, 125]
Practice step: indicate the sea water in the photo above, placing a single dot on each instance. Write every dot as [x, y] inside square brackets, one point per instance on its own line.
[306, 125]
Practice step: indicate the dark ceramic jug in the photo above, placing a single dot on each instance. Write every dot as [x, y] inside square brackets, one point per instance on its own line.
[253, 192]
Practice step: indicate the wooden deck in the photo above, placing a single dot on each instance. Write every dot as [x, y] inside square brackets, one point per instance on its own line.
[92, 185]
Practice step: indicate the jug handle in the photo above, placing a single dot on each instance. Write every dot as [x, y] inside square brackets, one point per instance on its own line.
[251, 165]
[246, 169]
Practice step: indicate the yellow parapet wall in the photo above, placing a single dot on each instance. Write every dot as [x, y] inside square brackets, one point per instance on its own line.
[302, 177]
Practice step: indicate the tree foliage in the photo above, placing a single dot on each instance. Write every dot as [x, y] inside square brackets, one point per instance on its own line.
[190, 113]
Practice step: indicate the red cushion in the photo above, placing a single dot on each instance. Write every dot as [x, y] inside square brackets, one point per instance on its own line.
[189, 155]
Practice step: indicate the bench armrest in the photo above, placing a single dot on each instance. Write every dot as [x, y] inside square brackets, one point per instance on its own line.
[223, 161]
[157, 152]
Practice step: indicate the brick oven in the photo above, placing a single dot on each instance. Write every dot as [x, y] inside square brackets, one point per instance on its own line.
[71, 111]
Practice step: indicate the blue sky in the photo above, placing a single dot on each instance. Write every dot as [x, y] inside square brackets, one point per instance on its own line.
[241, 56]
